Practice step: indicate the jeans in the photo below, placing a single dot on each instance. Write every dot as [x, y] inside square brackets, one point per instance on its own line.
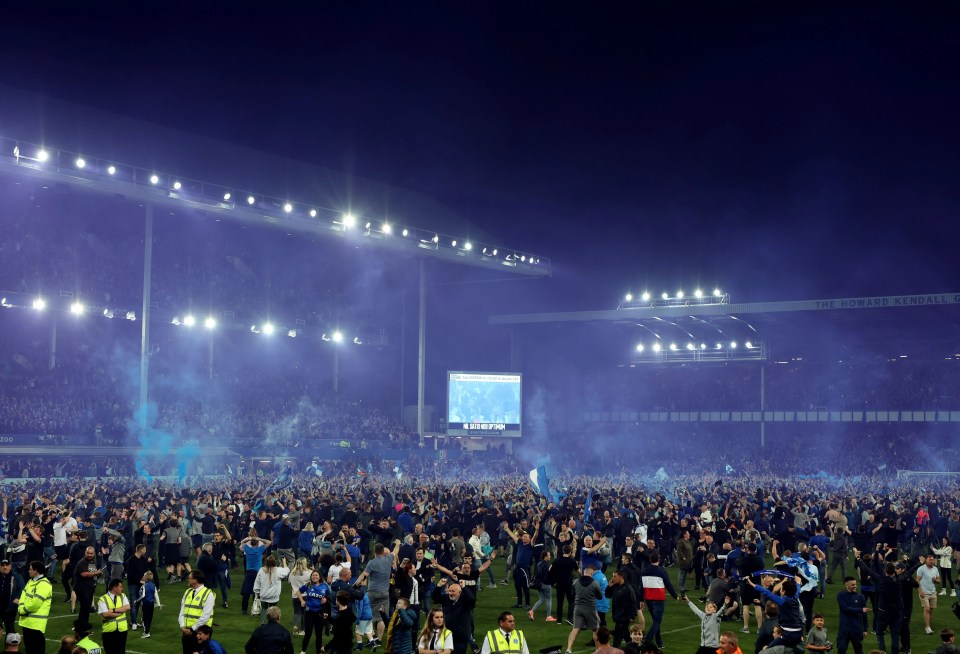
[657, 608]
[546, 598]
[892, 620]
[850, 637]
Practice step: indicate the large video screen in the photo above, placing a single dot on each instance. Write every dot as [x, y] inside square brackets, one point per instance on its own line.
[483, 404]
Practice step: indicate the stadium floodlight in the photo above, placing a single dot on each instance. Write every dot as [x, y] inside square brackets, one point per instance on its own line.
[656, 347]
[189, 321]
[80, 163]
[716, 292]
[698, 294]
[42, 155]
[349, 220]
[177, 186]
[645, 297]
[387, 228]
[679, 295]
[673, 347]
[288, 207]
[494, 251]
[468, 246]
[748, 345]
[292, 333]
[733, 345]
[130, 315]
[39, 304]
[628, 297]
[251, 200]
[176, 321]
[523, 258]
[436, 238]
[639, 347]
[154, 179]
[337, 337]
[227, 196]
[719, 346]
[267, 328]
[313, 213]
[453, 243]
[77, 308]
[367, 226]
[703, 346]
[691, 346]
[357, 341]
[111, 170]
[210, 323]
[405, 232]
[107, 313]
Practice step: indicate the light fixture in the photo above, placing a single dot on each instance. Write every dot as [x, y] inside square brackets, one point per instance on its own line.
[268, 328]
[665, 295]
[698, 294]
[130, 315]
[292, 333]
[628, 297]
[227, 196]
[81, 164]
[367, 226]
[748, 345]
[645, 297]
[523, 258]
[77, 308]
[436, 238]
[679, 295]
[639, 347]
[337, 337]
[405, 232]
[468, 246]
[39, 304]
[691, 347]
[154, 179]
[656, 347]
[494, 251]
[177, 186]
[189, 321]
[716, 292]
[111, 170]
[313, 213]
[42, 155]
[349, 220]
[251, 199]
[288, 207]
[673, 347]
[176, 321]
[733, 345]
[387, 228]
[453, 243]
[210, 322]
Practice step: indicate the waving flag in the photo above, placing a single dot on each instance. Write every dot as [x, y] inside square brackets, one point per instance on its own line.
[586, 508]
[538, 477]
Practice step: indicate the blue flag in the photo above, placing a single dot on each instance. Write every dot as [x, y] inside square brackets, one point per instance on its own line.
[538, 477]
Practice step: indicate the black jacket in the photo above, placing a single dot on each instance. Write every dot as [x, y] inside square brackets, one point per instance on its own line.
[457, 615]
[269, 638]
[625, 603]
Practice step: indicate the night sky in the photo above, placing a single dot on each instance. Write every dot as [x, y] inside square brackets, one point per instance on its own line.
[781, 150]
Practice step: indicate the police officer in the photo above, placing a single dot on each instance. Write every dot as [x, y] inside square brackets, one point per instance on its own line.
[505, 640]
[34, 608]
[82, 630]
[196, 610]
[113, 606]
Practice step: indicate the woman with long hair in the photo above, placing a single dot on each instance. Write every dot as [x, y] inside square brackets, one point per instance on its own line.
[314, 598]
[267, 584]
[299, 576]
[305, 542]
[435, 637]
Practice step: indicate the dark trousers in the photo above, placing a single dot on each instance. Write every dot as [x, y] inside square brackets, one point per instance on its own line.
[657, 608]
[10, 621]
[246, 590]
[621, 633]
[521, 582]
[135, 605]
[889, 619]
[854, 638]
[146, 616]
[84, 604]
[905, 630]
[565, 593]
[189, 643]
[312, 622]
[806, 601]
[33, 642]
[114, 642]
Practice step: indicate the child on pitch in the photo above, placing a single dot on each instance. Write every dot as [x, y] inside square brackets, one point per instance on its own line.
[817, 637]
[709, 626]
[633, 646]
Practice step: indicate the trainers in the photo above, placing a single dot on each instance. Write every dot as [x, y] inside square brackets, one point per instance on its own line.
[953, 593]
[568, 652]
[133, 626]
[569, 622]
[146, 634]
[492, 587]
[927, 630]
[550, 618]
[943, 591]
[745, 630]
[302, 652]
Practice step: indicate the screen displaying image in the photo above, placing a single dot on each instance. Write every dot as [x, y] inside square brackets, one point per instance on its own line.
[483, 404]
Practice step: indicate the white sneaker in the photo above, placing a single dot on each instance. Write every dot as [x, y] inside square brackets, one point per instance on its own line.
[133, 626]
[302, 652]
[953, 593]
[927, 630]
[145, 634]
[943, 591]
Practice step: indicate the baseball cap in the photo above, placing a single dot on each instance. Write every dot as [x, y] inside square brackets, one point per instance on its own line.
[13, 639]
[5, 562]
